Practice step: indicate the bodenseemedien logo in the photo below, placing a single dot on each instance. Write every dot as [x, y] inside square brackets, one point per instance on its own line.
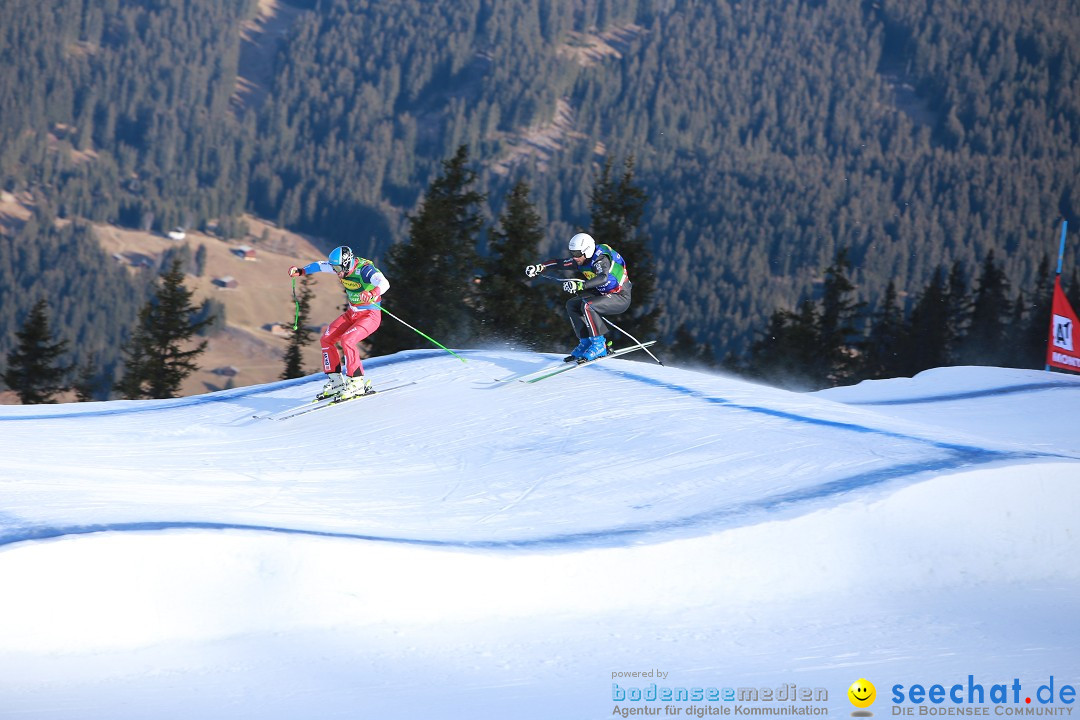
[862, 695]
[671, 699]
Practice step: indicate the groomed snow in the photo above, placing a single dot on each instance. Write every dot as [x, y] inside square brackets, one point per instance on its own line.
[463, 549]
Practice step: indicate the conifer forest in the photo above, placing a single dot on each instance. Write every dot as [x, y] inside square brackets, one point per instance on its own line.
[820, 191]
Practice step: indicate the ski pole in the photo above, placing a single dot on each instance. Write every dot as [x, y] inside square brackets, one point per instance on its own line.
[634, 339]
[554, 279]
[378, 305]
[296, 318]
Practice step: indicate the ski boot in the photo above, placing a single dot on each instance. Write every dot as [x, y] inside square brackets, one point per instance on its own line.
[355, 387]
[579, 352]
[335, 383]
[597, 349]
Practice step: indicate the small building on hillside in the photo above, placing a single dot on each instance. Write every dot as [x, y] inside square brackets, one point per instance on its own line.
[245, 252]
[226, 283]
[278, 330]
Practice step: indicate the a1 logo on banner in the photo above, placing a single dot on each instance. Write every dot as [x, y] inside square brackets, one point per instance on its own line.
[1063, 333]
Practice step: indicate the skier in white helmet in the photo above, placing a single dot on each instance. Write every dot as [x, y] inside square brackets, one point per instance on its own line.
[364, 286]
[604, 291]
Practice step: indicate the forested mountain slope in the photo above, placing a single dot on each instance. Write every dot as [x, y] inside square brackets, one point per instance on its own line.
[766, 134]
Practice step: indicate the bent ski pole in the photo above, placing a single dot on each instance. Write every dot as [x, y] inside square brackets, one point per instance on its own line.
[378, 305]
[640, 344]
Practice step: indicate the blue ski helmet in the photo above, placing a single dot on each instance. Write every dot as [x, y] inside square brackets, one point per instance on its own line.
[341, 259]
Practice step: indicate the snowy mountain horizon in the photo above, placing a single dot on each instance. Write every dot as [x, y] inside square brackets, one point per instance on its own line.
[464, 548]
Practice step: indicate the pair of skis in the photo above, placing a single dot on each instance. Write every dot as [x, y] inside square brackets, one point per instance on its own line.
[313, 405]
[534, 376]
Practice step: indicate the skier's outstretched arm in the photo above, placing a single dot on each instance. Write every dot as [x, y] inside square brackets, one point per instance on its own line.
[538, 268]
[315, 267]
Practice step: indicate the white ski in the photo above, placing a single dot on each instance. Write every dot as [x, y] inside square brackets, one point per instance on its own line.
[537, 375]
[313, 405]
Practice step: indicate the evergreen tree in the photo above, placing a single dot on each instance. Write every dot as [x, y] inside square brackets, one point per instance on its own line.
[986, 340]
[301, 334]
[687, 351]
[786, 355]
[211, 317]
[836, 328]
[88, 382]
[883, 352]
[156, 361]
[1036, 327]
[930, 332]
[200, 260]
[814, 347]
[511, 307]
[617, 206]
[958, 306]
[433, 272]
[132, 383]
[1012, 354]
[32, 368]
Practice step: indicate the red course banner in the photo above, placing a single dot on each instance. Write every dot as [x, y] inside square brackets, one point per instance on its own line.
[1062, 351]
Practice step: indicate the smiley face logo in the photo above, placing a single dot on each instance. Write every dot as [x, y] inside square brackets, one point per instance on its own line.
[862, 693]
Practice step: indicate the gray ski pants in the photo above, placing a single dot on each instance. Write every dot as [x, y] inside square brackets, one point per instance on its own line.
[587, 311]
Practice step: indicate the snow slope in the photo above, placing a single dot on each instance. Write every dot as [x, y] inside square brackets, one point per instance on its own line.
[460, 548]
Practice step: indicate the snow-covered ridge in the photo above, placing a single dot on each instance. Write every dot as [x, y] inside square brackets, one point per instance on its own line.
[508, 546]
[716, 452]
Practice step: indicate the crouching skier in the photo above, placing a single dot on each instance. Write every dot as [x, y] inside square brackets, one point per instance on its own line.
[604, 291]
[364, 286]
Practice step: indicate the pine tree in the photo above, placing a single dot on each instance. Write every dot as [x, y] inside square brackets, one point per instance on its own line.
[931, 330]
[432, 273]
[837, 352]
[200, 260]
[687, 351]
[88, 382]
[985, 342]
[32, 369]
[813, 347]
[883, 353]
[132, 384]
[958, 306]
[1036, 326]
[301, 334]
[1012, 354]
[617, 207]
[156, 363]
[511, 307]
[786, 354]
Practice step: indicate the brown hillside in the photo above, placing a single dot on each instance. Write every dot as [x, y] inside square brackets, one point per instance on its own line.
[261, 297]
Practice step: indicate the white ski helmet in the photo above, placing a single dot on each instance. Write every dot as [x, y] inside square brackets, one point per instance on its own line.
[341, 259]
[584, 244]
